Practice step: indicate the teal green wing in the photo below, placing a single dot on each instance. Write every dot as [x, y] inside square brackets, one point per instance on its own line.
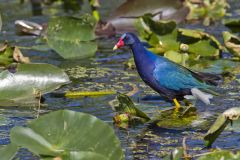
[175, 77]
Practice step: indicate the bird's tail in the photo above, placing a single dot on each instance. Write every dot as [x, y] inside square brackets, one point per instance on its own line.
[204, 97]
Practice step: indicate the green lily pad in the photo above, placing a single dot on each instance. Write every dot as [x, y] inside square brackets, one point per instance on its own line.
[159, 27]
[217, 66]
[207, 10]
[215, 130]
[162, 35]
[165, 37]
[8, 152]
[176, 57]
[220, 124]
[126, 105]
[172, 118]
[169, 42]
[200, 43]
[199, 35]
[220, 155]
[232, 23]
[72, 37]
[203, 48]
[232, 43]
[82, 155]
[68, 135]
[21, 84]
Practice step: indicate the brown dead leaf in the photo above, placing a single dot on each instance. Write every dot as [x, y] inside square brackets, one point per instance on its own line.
[18, 56]
[3, 47]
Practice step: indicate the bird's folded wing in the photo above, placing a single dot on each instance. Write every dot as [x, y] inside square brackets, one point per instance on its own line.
[175, 78]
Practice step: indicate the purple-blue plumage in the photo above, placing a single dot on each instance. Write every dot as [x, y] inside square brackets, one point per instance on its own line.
[164, 76]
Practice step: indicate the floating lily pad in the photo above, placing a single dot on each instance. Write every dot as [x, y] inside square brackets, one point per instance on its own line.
[72, 37]
[8, 152]
[204, 48]
[161, 41]
[208, 11]
[232, 43]
[21, 84]
[176, 57]
[220, 155]
[198, 34]
[164, 37]
[217, 66]
[172, 118]
[126, 105]
[159, 27]
[68, 135]
[200, 43]
[232, 23]
[220, 124]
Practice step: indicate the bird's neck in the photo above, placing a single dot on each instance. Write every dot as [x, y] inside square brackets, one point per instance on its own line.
[144, 59]
[141, 54]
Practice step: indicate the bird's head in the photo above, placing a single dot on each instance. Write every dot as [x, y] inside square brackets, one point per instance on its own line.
[126, 39]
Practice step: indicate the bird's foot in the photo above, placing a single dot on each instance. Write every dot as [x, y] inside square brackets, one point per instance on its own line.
[177, 104]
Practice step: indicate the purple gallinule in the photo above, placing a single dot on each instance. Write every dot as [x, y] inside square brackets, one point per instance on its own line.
[169, 79]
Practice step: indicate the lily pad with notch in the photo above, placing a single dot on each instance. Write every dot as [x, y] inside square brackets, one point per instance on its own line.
[55, 136]
[220, 124]
[72, 37]
[21, 83]
[232, 43]
[127, 111]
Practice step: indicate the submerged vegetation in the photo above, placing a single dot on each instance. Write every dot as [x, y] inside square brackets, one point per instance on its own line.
[67, 64]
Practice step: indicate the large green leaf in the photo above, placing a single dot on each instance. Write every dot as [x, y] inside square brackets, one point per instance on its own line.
[161, 35]
[221, 155]
[232, 43]
[72, 37]
[69, 135]
[84, 156]
[176, 57]
[159, 27]
[220, 124]
[8, 152]
[165, 37]
[21, 84]
[200, 43]
[204, 48]
[232, 23]
[215, 130]
[172, 118]
[126, 105]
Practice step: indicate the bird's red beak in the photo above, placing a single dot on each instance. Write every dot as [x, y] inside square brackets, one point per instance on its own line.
[119, 44]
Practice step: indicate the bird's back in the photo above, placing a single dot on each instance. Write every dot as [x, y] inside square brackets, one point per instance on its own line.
[174, 76]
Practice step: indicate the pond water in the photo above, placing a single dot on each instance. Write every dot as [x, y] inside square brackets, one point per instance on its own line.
[107, 71]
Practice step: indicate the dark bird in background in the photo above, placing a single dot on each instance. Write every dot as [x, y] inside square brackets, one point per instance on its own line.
[169, 79]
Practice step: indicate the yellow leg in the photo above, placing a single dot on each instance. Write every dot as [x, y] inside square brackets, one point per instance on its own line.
[177, 105]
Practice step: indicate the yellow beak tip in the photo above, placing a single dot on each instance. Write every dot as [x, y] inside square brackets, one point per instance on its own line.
[115, 47]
